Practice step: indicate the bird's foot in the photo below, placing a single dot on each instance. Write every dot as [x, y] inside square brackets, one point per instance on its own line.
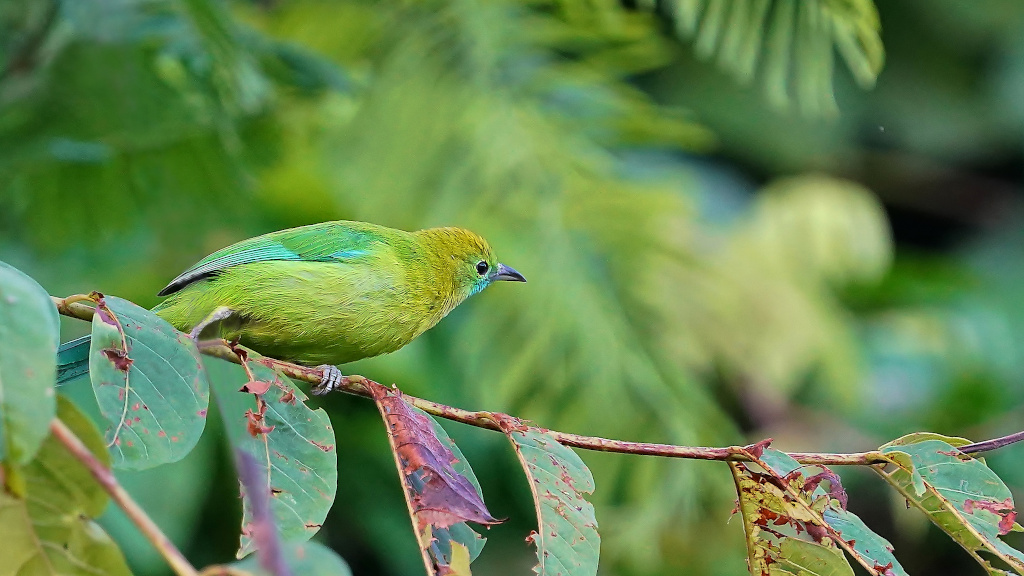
[330, 380]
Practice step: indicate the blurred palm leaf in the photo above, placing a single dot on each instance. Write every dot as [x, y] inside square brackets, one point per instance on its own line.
[518, 120]
[515, 131]
[797, 39]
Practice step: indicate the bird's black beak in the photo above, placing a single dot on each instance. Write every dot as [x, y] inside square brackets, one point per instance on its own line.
[503, 272]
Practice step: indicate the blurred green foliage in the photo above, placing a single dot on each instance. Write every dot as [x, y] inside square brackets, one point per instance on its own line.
[705, 266]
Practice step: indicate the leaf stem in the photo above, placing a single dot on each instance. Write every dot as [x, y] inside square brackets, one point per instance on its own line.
[175, 559]
[357, 385]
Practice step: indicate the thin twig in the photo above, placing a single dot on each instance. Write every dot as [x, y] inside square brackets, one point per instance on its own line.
[175, 559]
[73, 306]
[993, 444]
[356, 385]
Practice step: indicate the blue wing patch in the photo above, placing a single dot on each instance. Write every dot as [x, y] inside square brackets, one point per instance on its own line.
[324, 242]
[348, 254]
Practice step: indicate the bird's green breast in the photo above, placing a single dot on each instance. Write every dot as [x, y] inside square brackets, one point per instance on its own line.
[370, 303]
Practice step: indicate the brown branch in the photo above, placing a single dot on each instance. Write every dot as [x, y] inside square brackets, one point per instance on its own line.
[356, 385]
[993, 444]
[175, 559]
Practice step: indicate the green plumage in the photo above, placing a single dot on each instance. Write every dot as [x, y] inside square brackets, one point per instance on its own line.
[334, 292]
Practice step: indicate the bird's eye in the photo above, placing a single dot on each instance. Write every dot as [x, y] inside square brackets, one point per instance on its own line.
[482, 267]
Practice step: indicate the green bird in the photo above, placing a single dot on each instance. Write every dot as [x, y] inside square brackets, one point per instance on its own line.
[326, 294]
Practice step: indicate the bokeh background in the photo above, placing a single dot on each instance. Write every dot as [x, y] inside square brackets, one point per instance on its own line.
[726, 239]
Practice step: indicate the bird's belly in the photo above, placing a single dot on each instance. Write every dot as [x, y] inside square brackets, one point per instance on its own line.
[310, 313]
[325, 339]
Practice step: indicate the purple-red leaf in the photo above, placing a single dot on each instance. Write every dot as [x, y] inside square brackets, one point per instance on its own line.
[438, 496]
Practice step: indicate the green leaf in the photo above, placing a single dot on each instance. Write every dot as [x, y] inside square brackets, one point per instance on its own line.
[440, 488]
[293, 444]
[29, 333]
[963, 497]
[872, 549]
[149, 383]
[567, 539]
[51, 531]
[918, 437]
[305, 558]
[803, 558]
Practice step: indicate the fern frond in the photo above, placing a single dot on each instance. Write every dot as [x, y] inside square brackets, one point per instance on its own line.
[796, 39]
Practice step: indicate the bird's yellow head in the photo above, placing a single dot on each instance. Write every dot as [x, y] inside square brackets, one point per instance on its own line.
[467, 259]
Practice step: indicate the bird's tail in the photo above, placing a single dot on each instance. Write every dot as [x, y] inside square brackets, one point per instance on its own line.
[73, 359]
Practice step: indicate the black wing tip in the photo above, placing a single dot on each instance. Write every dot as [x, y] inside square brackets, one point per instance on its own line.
[180, 282]
[176, 285]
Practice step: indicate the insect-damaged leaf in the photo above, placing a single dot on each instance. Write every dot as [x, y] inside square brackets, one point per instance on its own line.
[439, 485]
[863, 542]
[50, 531]
[795, 521]
[567, 539]
[261, 526]
[29, 333]
[273, 557]
[449, 540]
[293, 444]
[149, 383]
[804, 558]
[961, 495]
[774, 527]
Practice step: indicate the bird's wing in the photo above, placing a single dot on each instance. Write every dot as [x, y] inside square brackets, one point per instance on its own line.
[325, 242]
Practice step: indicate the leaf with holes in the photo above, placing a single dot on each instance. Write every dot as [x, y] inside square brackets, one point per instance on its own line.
[869, 548]
[441, 498]
[567, 539]
[960, 494]
[29, 334]
[772, 526]
[274, 558]
[293, 444]
[50, 531]
[799, 503]
[149, 383]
